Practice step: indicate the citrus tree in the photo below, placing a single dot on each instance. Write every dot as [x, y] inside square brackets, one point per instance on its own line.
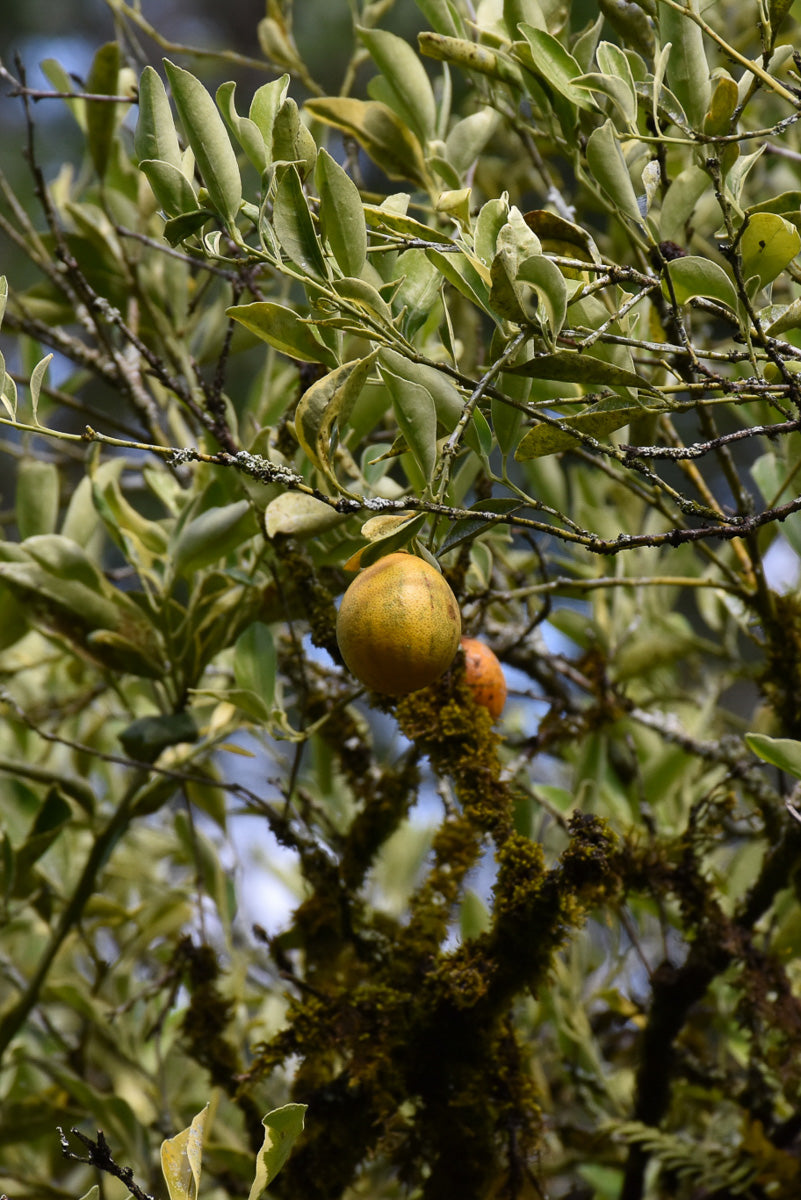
[510, 319]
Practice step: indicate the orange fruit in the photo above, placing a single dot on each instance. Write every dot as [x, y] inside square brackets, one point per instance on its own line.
[398, 625]
[484, 676]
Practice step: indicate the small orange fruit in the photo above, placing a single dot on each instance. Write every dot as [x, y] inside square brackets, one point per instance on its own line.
[484, 676]
[398, 625]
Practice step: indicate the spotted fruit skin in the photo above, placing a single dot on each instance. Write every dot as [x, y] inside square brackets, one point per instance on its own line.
[484, 676]
[398, 626]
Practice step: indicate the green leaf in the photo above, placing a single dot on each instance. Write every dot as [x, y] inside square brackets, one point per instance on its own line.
[174, 192]
[293, 224]
[292, 141]
[556, 66]
[51, 820]
[570, 366]
[155, 136]
[416, 415]
[419, 288]
[145, 738]
[470, 56]
[327, 404]
[264, 107]
[596, 423]
[62, 81]
[206, 133]
[549, 283]
[490, 221]
[246, 132]
[181, 1158]
[768, 245]
[37, 379]
[695, 276]
[255, 662]
[405, 78]
[341, 214]
[468, 138]
[680, 200]
[462, 274]
[282, 1128]
[101, 115]
[468, 528]
[688, 69]
[619, 90]
[178, 229]
[379, 131]
[615, 65]
[283, 329]
[37, 500]
[608, 167]
[211, 536]
[443, 16]
[391, 221]
[508, 298]
[784, 753]
[788, 317]
[448, 401]
[60, 604]
[295, 514]
[365, 297]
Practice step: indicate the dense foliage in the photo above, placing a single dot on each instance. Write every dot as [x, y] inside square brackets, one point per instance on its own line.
[523, 299]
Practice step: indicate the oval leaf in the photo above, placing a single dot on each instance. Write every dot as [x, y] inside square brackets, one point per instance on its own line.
[549, 282]
[155, 136]
[572, 367]
[101, 115]
[295, 514]
[327, 403]
[416, 415]
[181, 1160]
[211, 536]
[688, 69]
[784, 753]
[341, 214]
[173, 191]
[293, 224]
[608, 167]
[695, 276]
[595, 423]
[379, 131]
[283, 329]
[556, 66]
[255, 662]
[768, 245]
[405, 79]
[206, 133]
[246, 132]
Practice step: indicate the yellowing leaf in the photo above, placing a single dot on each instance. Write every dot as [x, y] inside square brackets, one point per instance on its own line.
[769, 244]
[181, 1159]
[380, 131]
[326, 404]
[595, 423]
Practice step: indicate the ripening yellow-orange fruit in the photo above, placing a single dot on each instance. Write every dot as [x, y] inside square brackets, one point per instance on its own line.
[398, 625]
[484, 676]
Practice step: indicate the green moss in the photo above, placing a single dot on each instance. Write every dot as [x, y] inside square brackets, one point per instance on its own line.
[521, 870]
[781, 677]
